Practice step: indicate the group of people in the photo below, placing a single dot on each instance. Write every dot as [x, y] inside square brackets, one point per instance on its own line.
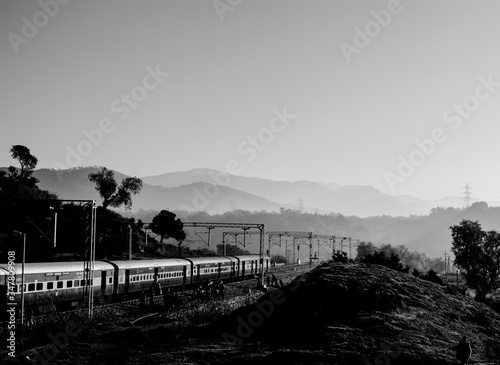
[169, 295]
[210, 290]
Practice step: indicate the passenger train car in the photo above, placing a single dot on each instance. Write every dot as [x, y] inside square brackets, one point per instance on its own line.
[63, 283]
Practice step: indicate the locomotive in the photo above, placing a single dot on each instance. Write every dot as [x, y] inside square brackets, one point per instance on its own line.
[63, 283]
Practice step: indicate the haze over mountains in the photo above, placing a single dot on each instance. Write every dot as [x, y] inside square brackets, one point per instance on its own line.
[216, 192]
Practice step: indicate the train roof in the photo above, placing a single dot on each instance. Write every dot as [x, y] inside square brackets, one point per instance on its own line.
[211, 259]
[250, 257]
[3, 271]
[49, 267]
[140, 264]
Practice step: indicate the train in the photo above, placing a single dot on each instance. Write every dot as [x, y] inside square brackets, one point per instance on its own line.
[47, 284]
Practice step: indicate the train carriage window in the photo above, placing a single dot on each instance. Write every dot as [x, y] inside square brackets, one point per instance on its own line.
[31, 287]
[69, 284]
[110, 280]
[60, 284]
[39, 286]
[76, 283]
[82, 282]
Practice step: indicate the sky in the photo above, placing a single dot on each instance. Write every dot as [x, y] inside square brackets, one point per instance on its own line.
[402, 95]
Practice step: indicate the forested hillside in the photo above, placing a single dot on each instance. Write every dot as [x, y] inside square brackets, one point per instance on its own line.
[427, 233]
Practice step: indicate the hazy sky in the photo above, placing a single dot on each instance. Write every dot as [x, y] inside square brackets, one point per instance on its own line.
[335, 91]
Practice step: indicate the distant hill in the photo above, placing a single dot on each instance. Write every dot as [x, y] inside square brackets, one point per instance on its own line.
[283, 192]
[215, 192]
[74, 184]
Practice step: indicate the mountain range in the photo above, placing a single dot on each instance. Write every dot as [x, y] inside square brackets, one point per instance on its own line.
[216, 192]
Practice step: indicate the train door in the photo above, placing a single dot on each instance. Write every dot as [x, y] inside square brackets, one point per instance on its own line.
[127, 281]
[184, 275]
[155, 275]
[103, 285]
[116, 279]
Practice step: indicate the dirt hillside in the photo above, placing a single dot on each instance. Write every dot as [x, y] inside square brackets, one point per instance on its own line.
[356, 313]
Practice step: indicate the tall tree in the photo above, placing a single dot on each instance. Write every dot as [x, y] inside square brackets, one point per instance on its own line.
[28, 163]
[166, 225]
[477, 255]
[113, 195]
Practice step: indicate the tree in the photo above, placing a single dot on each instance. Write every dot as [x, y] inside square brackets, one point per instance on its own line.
[477, 255]
[230, 250]
[167, 226]
[433, 277]
[28, 163]
[365, 249]
[113, 195]
[391, 260]
[340, 256]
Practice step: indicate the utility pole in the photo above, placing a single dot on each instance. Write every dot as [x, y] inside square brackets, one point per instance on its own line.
[130, 242]
[286, 252]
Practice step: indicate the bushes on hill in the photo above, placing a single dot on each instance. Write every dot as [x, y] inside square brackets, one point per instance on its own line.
[381, 258]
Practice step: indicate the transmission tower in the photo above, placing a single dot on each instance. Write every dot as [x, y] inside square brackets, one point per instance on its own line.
[467, 195]
[300, 203]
